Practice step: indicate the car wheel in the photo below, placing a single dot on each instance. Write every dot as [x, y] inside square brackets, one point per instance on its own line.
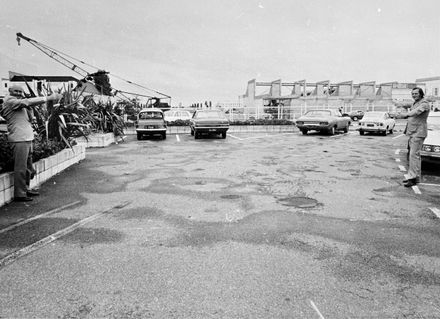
[384, 133]
[164, 136]
[361, 132]
[196, 135]
[224, 135]
[192, 132]
[332, 130]
[345, 130]
[139, 136]
[304, 132]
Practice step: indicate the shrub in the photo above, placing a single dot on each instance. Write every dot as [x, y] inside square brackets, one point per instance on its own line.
[42, 148]
[6, 158]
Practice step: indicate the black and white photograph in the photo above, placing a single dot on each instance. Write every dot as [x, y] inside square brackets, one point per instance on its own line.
[225, 159]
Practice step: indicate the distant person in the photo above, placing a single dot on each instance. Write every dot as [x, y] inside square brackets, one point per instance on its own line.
[416, 130]
[17, 111]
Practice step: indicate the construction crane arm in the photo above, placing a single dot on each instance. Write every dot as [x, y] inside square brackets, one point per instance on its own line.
[66, 60]
[54, 55]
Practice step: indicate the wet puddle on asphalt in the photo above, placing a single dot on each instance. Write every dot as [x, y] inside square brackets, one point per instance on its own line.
[298, 201]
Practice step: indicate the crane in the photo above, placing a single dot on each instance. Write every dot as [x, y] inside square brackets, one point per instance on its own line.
[65, 60]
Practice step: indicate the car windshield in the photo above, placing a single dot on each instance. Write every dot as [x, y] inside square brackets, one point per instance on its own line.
[150, 115]
[209, 115]
[374, 115]
[318, 113]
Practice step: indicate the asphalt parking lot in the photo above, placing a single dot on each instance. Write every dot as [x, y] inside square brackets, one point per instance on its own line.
[277, 225]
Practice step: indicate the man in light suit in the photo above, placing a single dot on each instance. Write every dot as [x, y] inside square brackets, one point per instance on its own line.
[416, 130]
[16, 111]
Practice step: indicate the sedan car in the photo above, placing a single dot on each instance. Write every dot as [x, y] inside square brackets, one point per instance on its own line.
[431, 146]
[151, 122]
[208, 121]
[175, 115]
[355, 115]
[376, 122]
[328, 121]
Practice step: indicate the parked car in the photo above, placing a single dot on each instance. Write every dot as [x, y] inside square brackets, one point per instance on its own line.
[209, 122]
[175, 115]
[355, 115]
[151, 122]
[376, 122]
[431, 147]
[324, 121]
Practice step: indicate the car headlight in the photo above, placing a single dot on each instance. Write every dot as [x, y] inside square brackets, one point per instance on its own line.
[300, 122]
[427, 148]
[323, 123]
[437, 149]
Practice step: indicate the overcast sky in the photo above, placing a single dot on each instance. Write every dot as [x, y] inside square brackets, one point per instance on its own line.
[207, 50]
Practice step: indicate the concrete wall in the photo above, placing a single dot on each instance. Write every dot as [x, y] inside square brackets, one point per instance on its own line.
[46, 168]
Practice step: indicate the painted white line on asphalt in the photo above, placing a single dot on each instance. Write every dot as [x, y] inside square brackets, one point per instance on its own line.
[317, 310]
[436, 211]
[177, 138]
[397, 159]
[397, 152]
[403, 169]
[400, 135]
[416, 190]
[53, 211]
[428, 184]
[47, 240]
[236, 137]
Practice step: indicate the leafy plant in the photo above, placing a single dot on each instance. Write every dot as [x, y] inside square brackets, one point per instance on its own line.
[6, 157]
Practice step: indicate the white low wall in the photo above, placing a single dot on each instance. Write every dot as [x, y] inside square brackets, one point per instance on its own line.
[46, 168]
[232, 129]
[96, 140]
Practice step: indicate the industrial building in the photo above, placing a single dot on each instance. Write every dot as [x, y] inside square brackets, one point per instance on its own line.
[288, 100]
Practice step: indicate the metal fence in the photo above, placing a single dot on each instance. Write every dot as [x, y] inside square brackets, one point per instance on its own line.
[291, 112]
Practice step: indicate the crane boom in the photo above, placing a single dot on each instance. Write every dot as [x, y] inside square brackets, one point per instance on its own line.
[60, 58]
[54, 55]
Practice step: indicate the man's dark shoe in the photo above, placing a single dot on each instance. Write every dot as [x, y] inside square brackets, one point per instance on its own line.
[32, 193]
[410, 183]
[23, 199]
[407, 180]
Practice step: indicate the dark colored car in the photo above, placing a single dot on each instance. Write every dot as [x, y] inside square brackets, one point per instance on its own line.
[209, 122]
[355, 115]
[324, 121]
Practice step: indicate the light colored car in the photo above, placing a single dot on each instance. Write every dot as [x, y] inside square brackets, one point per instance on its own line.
[151, 122]
[431, 147]
[175, 115]
[376, 122]
[209, 121]
[324, 121]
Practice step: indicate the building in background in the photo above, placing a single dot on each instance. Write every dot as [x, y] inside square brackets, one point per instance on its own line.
[288, 100]
[40, 85]
[432, 86]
